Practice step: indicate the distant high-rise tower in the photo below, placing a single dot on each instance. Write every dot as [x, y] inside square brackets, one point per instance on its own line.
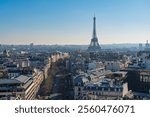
[147, 46]
[140, 46]
[94, 45]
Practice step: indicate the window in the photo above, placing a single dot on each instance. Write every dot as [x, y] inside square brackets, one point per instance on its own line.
[79, 89]
[79, 84]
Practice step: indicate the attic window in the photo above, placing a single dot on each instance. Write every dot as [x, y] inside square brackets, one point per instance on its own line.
[79, 84]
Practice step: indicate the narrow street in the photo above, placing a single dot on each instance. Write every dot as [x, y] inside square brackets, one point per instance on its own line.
[61, 89]
[58, 85]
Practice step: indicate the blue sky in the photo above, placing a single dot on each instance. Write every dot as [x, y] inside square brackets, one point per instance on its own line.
[70, 21]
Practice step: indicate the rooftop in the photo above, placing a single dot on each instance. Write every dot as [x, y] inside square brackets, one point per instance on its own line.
[23, 79]
[9, 81]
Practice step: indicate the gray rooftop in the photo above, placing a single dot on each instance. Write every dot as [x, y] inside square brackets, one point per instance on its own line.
[9, 81]
[23, 79]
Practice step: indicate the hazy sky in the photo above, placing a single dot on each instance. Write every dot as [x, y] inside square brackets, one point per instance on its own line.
[70, 21]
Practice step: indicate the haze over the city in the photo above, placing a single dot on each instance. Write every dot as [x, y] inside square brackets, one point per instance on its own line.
[70, 21]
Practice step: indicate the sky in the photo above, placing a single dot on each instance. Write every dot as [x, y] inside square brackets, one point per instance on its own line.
[71, 21]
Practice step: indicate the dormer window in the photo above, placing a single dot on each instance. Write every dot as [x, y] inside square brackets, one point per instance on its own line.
[79, 84]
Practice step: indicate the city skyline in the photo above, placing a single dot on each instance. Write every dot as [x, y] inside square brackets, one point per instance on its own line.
[70, 21]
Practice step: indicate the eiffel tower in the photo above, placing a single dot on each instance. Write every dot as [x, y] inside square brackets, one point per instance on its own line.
[94, 45]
